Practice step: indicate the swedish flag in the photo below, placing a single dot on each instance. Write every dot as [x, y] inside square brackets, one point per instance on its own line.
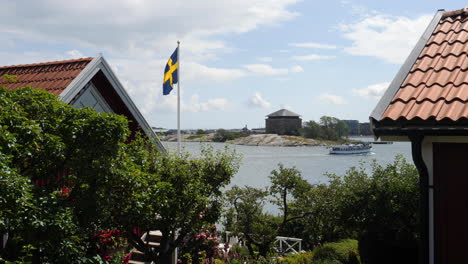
[171, 74]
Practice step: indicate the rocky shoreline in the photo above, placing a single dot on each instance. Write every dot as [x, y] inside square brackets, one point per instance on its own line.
[273, 140]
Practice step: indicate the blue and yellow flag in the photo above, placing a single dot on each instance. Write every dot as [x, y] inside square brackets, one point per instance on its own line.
[171, 73]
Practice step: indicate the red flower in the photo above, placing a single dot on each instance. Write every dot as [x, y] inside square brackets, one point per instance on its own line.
[126, 259]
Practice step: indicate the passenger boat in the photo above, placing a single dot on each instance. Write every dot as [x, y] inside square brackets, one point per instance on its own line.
[360, 148]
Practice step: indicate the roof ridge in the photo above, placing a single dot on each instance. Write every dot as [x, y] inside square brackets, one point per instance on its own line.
[87, 59]
[462, 11]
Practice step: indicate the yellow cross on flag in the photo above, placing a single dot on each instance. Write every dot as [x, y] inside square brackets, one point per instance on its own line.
[171, 73]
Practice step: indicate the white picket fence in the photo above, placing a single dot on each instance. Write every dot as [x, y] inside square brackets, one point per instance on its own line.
[282, 245]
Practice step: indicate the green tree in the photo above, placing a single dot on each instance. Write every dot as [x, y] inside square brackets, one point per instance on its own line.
[363, 205]
[200, 132]
[68, 173]
[288, 188]
[222, 135]
[246, 217]
[246, 214]
[311, 129]
[333, 128]
[176, 194]
[50, 146]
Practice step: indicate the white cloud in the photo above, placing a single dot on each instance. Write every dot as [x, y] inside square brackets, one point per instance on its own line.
[137, 37]
[265, 69]
[214, 104]
[386, 37]
[196, 71]
[265, 59]
[139, 28]
[312, 57]
[257, 101]
[374, 91]
[331, 99]
[74, 54]
[169, 104]
[312, 45]
[296, 68]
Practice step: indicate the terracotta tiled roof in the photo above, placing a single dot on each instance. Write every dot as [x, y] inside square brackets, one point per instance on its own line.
[436, 87]
[53, 77]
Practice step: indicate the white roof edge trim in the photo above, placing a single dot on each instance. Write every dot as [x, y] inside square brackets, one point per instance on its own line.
[80, 81]
[394, 86]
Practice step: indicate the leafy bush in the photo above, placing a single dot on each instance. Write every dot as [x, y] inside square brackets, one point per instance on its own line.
[66, 174]
[344, 252]
[300, 258]
[222, 135]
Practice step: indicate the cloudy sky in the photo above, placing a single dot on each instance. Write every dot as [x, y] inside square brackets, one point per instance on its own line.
[240, 60]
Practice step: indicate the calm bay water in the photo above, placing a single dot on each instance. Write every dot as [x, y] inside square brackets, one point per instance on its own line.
[313, 162]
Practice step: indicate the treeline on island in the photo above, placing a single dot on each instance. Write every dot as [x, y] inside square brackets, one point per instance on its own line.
[328, 128]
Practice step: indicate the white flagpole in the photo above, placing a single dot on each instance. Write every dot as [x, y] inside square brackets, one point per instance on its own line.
[178, 99]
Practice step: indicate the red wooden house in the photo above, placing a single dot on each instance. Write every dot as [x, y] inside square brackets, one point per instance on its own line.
[427, 104]
[85, 82]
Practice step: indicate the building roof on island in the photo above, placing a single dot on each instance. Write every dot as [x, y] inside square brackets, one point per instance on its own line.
[432, 85]
[283, 113]
[81, 82]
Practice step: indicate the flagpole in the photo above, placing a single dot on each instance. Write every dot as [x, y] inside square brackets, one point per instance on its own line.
[178, 99]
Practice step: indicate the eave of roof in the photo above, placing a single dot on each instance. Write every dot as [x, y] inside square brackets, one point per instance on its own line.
[429, 95]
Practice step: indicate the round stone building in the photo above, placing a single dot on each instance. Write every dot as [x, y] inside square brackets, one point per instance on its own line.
[283, 122]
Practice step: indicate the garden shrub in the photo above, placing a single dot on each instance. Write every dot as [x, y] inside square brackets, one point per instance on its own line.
[301, 258]
[345, 251]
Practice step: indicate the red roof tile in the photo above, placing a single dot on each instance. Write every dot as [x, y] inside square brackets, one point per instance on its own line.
[53, 77]
[436, 87]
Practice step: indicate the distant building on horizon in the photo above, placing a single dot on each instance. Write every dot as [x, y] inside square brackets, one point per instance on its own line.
[283, 122]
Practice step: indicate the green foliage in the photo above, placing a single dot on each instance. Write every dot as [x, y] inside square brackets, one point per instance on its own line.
[40, 138]
[68, 173]
[344, 252]
[387, 199]
[222, 135]
[194, 136]
[311, 129]
[329, 128]
[300, 258]
[246, 217]
[179, 195]
[201, 132]
[245, 214]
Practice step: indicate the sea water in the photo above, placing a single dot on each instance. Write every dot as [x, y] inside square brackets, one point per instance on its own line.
[313, 162]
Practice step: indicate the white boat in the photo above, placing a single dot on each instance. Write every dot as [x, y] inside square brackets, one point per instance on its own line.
[360, 148]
